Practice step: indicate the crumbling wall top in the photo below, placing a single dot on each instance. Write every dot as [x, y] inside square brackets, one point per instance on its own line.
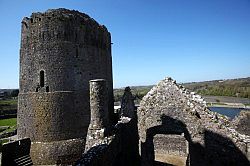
[169, 98]
[63, 15]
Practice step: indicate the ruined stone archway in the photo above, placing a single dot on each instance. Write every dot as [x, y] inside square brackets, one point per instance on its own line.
[212, 141]
[166, 144]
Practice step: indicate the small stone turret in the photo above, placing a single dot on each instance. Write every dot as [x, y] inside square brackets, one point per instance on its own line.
[99, 112]
[98, 104]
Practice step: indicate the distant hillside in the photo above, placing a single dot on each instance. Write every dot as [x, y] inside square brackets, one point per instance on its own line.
[137, 91]
[231, 87]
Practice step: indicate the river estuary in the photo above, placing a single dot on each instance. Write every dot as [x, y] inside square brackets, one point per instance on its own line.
[230, 112]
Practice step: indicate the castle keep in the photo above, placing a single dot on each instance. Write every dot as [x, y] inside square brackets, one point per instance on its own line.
[61, 50]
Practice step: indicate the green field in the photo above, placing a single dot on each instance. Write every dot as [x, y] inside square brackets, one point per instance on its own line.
[10, 104]
[11, 123]
[8, 122]
[12, 126]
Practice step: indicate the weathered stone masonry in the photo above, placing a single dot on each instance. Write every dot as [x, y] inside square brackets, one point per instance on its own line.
[120, 145]
[169, 109]
[99, 113]
[61, 50]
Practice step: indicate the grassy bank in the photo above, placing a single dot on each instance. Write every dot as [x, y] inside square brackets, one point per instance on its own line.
[8, 122]
[8, 125]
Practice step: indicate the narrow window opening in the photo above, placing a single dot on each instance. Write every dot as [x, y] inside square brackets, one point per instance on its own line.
[47, 88]
[37, 89]
[42, 78]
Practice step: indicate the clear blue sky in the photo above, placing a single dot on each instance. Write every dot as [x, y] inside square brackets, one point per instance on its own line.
[189, 40]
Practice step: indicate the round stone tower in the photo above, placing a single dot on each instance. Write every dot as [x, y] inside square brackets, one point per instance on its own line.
[61, 50]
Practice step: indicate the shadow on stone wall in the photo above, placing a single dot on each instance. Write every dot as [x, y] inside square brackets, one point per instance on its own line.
[129, 154]
[217, 150]
[122, 150]
[222, 151]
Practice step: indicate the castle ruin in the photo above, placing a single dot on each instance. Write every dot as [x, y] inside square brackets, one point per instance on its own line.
[176, 125]
[65, 106]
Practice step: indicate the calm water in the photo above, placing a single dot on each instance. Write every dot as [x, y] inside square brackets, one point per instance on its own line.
[230, 112]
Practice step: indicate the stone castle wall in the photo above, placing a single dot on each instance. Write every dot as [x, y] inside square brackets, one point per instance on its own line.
[61, 50]
[49, 116]
[164, 143]
[242, 122]
[170, 109]
[119, 148]
[120, 145]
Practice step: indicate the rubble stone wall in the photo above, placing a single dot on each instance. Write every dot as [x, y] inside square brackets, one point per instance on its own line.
[169, 108]
[120, 148]
[242, 122]
[48, 115]
[164, 143]
[120, 145]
